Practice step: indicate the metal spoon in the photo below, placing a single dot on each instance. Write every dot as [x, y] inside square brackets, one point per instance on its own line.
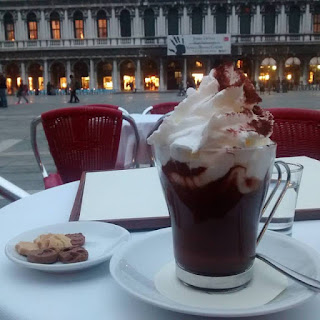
[294, 275]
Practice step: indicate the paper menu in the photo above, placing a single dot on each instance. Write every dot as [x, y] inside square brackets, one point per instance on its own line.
[123, 194]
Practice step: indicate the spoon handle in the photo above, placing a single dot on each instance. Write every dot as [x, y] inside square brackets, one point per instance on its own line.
[294, 275]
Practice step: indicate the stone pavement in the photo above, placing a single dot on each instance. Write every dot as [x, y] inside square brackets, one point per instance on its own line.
[17, 163]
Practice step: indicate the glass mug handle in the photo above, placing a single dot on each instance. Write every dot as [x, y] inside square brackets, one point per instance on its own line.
[277, 165]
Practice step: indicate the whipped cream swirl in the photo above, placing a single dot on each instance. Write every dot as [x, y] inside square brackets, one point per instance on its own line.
[222, 113]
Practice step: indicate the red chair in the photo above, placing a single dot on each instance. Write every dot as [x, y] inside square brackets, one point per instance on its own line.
[296, 132]
[161, 108]
[81, 139]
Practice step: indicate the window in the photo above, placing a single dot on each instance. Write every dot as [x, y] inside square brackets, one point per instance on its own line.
[55, 25]
[125, 23]
[245, 20]
[269, 20]
[78, 25]
[102, 24]
[149, 23]
[316, 19]
[173, 21]
[197, 21]
[32, 26]
[221, 20]
[8, 27]
[294, 19]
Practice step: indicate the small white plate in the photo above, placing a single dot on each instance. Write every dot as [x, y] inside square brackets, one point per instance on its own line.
[135, 265]
[102, 239]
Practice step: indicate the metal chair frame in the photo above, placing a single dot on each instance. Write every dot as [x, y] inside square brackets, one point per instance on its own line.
[10, 191]
[33, 133]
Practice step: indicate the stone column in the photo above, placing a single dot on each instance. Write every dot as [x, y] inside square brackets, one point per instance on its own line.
[161, 23]
[2, 32]
[138, 75]
[45, 74]
[22, 28]
[89, 25]
[66, 31]
[308, 20]
[184, 73]
[258, 18]
[136, 25]
[161, 75]
[68, 71]
[113, 25]
[305, 72]
[283, 20]
[234, 21]
[280, 69]
[256, 70]
[185, 23]
[115, 76]
[208, 66]
[23, 73]
[42, 27]
[91, 75]
[209, 27]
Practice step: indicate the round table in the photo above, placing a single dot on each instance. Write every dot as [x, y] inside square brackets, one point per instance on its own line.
[91, 294]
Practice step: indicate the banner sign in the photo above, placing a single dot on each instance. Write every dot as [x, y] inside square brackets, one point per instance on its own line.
[199, 44]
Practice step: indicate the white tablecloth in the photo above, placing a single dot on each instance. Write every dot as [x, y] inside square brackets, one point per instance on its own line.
[91, 294]
[145, 124]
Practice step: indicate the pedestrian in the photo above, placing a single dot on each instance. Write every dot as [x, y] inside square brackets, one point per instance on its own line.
[73, 87]
[3, 93]
[22, 93]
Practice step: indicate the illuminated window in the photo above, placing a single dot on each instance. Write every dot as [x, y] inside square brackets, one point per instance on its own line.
[30, 83]
[128, 83]
[78, 25]
[55, 25]
[9, 27]
[107, 83]
[63, 82]
[102, 24]
[198, 64]
[197, 78]
[40, 83]
[85, 81]
[151, 83]
[18, 81]
[239, 64]
[32, 26]
[316, 20]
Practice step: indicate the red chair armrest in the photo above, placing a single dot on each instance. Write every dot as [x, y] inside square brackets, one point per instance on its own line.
[53, 180]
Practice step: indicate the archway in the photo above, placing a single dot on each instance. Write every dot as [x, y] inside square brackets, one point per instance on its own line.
[268, 73]
[151, 75]
[292, 71]
[58, 75]
[104, 74]
[127, 75]
[314, 70]
[174, 74]
[196, 71]
[12, 74]
[81, 74]
[35, 76]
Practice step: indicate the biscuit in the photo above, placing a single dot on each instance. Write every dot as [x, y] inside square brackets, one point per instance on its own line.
[24, 247]
[50, 240]
[77, 239]
[44, 256]
[73, 255]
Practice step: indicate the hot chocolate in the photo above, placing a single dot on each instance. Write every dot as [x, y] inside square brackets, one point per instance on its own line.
[214, 157]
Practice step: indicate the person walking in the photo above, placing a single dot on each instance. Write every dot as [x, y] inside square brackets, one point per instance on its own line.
[73, 87]
[22, 93]
[3, 93]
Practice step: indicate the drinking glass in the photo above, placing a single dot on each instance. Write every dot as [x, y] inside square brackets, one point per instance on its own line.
[215, 199]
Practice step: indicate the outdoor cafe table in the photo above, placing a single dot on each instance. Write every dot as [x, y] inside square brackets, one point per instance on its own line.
[145, 123]
[27, 294]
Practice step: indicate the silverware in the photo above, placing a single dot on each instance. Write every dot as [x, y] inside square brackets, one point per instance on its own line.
[306, 281]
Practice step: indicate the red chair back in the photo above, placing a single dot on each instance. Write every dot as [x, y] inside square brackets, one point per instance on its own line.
[82, 139]
[163, 108]
[296, 132]
[102, 105]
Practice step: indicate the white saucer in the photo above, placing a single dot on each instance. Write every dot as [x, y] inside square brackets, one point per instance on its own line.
[135, 265]
[102, 239]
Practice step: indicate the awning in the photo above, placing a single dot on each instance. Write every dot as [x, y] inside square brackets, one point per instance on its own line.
[314, 61]
[293, 61]
[269, 62]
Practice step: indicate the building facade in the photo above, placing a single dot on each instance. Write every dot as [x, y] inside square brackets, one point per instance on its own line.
[123, 45]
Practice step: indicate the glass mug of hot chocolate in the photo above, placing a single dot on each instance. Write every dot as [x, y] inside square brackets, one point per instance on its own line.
[214, 158]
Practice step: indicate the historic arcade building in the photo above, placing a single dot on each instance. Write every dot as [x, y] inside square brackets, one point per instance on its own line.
[123, 44]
